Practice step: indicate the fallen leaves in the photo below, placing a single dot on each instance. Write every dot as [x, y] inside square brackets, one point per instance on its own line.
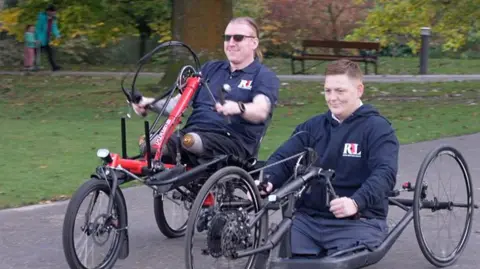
[54, 199]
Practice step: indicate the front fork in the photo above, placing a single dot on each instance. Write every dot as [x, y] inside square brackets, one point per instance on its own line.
[109, 175]
[113, 189]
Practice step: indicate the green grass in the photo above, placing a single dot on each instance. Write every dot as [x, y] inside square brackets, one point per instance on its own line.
[386, 65]
[52, 126]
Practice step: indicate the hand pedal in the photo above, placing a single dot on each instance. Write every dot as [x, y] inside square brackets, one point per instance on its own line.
[176, 195]
[273, 206]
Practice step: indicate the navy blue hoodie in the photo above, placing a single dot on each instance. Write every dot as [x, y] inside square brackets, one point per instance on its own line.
[363, 151]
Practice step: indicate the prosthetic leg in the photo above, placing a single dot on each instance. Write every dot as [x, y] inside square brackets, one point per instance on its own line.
[191, 142]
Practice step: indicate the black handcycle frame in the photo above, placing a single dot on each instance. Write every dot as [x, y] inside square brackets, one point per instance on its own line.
[359, 256]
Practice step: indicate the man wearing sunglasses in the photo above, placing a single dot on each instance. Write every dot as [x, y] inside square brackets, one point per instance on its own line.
[252, 92]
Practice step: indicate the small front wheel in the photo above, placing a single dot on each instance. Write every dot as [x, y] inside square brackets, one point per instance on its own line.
[443, 206]
[92, 236]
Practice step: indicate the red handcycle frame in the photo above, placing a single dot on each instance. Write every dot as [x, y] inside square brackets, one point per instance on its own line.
[138, 167]
[148, 168]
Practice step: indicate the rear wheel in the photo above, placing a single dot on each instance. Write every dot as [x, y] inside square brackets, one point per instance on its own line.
[171, 211]
[443, 197]
[95, 227]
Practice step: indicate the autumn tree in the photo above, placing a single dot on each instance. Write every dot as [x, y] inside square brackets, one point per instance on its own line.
[146, 16]
[287, 22]
[452, 22]
[199, 24]
[249, 8]
[99, 22]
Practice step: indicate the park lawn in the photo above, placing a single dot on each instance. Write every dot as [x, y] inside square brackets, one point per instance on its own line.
[282, 66]
[386, 66]
[52, 126]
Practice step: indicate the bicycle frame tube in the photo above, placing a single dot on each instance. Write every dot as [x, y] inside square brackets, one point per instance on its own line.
[176, 114]
[134, 166]
[137, 166]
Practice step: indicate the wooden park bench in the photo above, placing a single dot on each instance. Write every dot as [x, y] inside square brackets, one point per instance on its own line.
[367, 52]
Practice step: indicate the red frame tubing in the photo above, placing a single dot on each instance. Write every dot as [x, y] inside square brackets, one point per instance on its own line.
[209, 200]
[176, 114]
[135, 166]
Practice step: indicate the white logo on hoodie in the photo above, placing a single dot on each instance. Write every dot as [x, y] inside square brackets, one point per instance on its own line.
[351, 150]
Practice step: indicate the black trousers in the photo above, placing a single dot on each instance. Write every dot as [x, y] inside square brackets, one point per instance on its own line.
[51, 56]
[214, 143]
[315, 236]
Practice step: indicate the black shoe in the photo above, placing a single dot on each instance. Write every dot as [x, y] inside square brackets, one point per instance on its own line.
[56, 68]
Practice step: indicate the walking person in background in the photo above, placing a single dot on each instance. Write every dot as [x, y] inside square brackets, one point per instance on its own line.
[29, 50]
[46, 27]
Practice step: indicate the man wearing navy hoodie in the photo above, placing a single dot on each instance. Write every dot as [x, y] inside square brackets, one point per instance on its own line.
[353, 139]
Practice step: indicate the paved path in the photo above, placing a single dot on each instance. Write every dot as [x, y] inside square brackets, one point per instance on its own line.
[319, 78]
[31, 237]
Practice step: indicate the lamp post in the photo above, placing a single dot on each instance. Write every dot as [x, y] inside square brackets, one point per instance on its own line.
[425, 33]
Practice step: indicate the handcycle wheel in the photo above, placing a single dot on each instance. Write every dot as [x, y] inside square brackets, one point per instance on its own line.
[97, 228]
[162, 214]
[436, 204]
[218, 224]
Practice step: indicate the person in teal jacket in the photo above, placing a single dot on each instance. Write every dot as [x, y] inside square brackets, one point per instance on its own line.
[46, 27]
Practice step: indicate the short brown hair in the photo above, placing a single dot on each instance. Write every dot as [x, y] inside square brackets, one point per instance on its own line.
[251, 22]
[344, 67]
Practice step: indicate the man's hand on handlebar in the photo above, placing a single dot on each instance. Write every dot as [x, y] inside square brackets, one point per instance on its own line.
[229, 108]
[265, 188]
[141, 108]
[343, 207]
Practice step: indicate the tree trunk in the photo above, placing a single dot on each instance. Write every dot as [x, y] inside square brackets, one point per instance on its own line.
[143, 45]
[145, 34]
[200, 25]
[8, 3]
[333, 20]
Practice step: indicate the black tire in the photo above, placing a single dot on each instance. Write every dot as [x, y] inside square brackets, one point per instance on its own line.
[162, 222]
[255, 261]
[417, 202]
[88, 187]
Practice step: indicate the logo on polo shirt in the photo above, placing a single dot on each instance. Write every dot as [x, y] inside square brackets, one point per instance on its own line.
[245, 84]
[351, 150]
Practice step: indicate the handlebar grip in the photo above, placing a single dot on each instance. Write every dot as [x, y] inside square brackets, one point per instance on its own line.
[136, 97]
[222, 102]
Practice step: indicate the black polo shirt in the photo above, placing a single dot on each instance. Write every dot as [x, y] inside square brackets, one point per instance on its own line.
[245, 84]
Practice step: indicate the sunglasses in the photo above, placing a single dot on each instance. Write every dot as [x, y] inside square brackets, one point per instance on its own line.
[236, 38]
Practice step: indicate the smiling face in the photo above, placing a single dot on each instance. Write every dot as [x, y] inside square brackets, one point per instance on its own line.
[240, 47]
[343, 90]
[343, 87]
